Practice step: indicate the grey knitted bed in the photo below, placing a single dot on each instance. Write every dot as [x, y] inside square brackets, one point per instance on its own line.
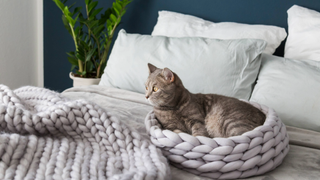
[253, 153]
[46, 136]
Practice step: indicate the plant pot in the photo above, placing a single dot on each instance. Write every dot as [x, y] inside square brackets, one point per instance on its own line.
[78, 81]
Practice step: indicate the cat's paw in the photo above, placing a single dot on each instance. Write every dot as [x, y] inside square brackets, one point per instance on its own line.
[200, 134]
[196, 134]
[177, 131]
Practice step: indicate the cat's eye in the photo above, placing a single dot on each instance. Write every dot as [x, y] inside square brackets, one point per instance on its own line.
[146, 88]
[155, 89]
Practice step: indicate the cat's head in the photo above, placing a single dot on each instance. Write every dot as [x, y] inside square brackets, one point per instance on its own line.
[163, 87]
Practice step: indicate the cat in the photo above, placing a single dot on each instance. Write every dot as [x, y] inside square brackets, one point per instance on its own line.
[209, 115]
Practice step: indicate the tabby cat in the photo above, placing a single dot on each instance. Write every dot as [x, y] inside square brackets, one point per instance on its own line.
[208, 115]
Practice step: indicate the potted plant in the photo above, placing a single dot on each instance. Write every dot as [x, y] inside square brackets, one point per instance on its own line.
[92, 37]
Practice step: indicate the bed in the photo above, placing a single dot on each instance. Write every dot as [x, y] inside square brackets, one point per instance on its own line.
[302, 161]
[230, 58]
[220, 59]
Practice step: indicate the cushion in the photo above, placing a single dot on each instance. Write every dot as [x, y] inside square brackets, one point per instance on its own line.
[304, 34]
[227, 67]
[292, 88]
[252, 153]
[180, 25]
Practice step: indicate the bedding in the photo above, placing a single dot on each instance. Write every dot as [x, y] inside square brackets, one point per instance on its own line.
[46, 136]
[304, 34]
[302, 161]
[175, 24]
[292, 88]
[228, 67]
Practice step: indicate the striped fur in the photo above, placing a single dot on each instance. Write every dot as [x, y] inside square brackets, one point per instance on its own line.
[208, 115]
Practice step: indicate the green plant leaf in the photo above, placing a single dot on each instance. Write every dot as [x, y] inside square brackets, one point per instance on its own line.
[91, 23]
[76, 10]
[73, 61]
[90, 43]
[109, 27]
[81, 18]
[89, 66]
[77, 31]
[88, 1]
[80, 54]
[113, 18]
[117, 12]
[59, 4]
[66, 11]
[94, 13]
[126, 2]
[84, 45]
[71, 53]
[119, 20]
[71, 21]
[84, 73]
[92, 5]
[109, 23]
[72, 67]
[81, 73]
[105, 16]
[66, 24]
[76, 19]
[119, 2]
[97, 31]
[117, 7]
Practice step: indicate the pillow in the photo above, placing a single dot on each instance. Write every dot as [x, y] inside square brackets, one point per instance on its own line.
[179, 25]
[227, 67]
[292, 88]
[304, 34]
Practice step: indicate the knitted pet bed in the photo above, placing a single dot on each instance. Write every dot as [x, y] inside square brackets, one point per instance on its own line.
[46, 136]
[253, 153]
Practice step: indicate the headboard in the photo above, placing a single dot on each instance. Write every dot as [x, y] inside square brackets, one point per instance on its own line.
[141, 16]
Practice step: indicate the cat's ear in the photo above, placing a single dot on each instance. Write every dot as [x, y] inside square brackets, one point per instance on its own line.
[152, 68]
[168, 74]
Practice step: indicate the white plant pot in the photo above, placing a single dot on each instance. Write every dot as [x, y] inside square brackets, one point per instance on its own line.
[78, 81]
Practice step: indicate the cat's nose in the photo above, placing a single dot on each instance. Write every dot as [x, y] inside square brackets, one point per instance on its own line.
[147, 96]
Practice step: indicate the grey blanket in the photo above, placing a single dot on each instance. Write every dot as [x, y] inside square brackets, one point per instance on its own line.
[46, 136]
[302, 161]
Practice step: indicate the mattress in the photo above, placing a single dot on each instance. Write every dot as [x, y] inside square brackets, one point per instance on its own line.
[302, 161]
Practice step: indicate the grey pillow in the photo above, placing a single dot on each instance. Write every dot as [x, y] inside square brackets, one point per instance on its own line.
[227, 67]
[292, 88]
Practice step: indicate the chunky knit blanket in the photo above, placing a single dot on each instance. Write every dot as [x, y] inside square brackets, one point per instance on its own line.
[46, 136]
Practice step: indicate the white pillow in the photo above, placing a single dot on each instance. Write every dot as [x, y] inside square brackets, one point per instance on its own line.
[179, 25]
[292, 89]
[304, 34]
[227, 67]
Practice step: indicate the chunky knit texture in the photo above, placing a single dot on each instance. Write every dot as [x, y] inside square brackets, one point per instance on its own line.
[253, 153]
[46, 136]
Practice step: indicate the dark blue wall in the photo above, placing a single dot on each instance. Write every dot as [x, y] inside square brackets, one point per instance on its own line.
[142, 15]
